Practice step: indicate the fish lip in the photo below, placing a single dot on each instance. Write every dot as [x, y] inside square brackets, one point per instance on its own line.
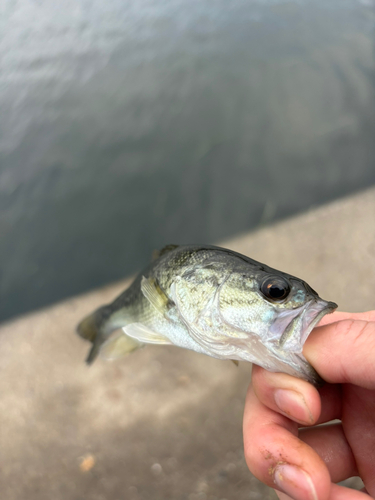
[292, 344]
[317, 309]
[301, 325]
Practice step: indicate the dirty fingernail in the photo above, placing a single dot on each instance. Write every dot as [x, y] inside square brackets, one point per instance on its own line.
[293, 404]
[294, 482]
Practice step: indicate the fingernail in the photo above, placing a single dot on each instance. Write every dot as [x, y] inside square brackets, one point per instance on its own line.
[295, 482]
[293, 404]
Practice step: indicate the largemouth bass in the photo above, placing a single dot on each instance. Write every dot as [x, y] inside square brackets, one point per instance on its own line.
[216, 302]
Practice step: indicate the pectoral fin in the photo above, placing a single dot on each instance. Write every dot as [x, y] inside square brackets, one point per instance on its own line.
[153, 292]
[144, 334]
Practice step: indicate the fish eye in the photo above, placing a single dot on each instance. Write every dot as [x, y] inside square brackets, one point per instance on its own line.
[275, 288]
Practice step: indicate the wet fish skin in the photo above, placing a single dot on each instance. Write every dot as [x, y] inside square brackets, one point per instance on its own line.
[216, 302]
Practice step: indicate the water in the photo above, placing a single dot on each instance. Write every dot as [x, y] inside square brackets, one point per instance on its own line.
[126, 125]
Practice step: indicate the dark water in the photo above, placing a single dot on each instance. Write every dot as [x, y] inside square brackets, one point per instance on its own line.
[126, 125]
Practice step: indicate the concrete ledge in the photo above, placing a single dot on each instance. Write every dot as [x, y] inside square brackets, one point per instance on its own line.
[163, 423]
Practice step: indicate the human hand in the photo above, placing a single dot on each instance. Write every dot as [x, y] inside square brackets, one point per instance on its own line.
[306, 463]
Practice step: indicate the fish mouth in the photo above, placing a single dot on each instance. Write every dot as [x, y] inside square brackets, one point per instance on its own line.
[312, 314]
[302, 323]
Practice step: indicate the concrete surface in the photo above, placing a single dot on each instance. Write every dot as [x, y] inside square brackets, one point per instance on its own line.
[163, 423]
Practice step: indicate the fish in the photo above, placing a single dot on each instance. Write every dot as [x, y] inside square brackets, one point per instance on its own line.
[216, 302]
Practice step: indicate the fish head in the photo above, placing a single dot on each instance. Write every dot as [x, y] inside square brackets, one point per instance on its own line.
[280, 308]
[296, 307]
[277, 309]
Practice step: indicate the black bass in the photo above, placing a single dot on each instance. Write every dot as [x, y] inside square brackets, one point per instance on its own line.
[216, 302]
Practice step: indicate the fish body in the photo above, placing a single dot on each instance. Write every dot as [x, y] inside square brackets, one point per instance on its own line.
[216, 302]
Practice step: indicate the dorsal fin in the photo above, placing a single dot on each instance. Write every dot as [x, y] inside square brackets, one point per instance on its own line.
[158, 253]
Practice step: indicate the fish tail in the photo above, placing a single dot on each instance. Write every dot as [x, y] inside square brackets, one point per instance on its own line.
[95, 329]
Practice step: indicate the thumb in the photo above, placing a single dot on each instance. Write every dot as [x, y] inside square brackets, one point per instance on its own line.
[344, 352]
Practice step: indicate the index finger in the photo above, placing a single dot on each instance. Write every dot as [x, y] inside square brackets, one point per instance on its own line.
[272, 447]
